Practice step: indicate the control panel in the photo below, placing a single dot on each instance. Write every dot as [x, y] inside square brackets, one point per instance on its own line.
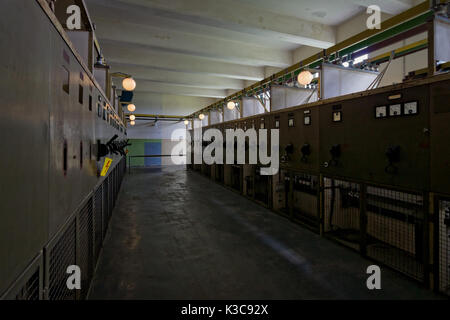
[382, 138]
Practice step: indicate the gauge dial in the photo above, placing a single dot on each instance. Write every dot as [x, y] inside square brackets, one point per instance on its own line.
[411, 108]
[381, 112]
[395, 110]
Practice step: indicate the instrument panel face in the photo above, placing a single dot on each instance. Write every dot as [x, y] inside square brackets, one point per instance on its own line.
[395, 110]
[297, 129]
[365, 130]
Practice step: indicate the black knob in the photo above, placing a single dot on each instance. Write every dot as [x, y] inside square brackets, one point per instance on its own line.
[335, 151]
[306, 149]
[393, 154]
[289, 148]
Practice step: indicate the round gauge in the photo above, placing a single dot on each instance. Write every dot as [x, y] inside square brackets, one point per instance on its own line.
[395, 109]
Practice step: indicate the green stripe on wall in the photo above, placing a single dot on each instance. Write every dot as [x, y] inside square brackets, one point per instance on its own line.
[137, 148]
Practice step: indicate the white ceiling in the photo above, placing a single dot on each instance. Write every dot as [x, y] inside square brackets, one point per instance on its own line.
[184, 54]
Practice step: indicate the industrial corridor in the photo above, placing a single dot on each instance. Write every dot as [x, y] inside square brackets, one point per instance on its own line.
[225, 159]
[175, 234]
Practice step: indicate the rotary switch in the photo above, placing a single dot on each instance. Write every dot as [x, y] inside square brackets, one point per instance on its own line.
[306, 151]
[289, 148]
[393, 156]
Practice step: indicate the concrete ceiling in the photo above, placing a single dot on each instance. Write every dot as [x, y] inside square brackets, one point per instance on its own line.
[184, 54]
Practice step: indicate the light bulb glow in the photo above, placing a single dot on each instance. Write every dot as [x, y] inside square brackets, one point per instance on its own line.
[131, 107]
[132, 123]
[129, 84]
[231, 105]
[345, 64]
[186, 122]
[305, 77]
[132, 117]
[201, 116]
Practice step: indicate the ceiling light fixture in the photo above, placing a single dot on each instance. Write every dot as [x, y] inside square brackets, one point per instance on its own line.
[231, 105]
[201, 116]
[186, 122]
[132, 123]
[305, 77]
[132, 117]
[131, 107]
[129, 84]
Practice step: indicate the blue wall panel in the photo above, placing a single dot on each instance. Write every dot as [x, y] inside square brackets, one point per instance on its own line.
[152, 148]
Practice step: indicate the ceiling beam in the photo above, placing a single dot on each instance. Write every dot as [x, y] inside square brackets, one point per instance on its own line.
[235, 15]
[168, 104]
[158, 87]
[195, 45]
[114, 10]
[178, 78]
[118, 52]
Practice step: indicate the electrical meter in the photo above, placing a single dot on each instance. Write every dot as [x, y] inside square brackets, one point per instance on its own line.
[381, 112]
[410, 108]
[395, 110]
[337, 116]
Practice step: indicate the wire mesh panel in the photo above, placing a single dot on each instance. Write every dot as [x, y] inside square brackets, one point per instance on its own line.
[98, 220]
[444, 246]
[86, 246]
[305, 199]
[105, 207]
[342, 211]
[61, 255]
[114, 186]
[110, 196]
[262, 186]
[395, 230]
[281, 191]
[30, 284]
[31, 289]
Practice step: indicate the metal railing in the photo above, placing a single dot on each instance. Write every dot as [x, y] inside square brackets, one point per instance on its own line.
[78, 242]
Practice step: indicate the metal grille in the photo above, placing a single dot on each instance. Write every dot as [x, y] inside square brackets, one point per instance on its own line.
[98, 219]
[305, 199]
[30, 291]
[86, 246]
[105, 206]
[281, 188]
[342, 211]
[262, 187]
[110, 195]
[395, 230]
[62, 255]
[444, 247]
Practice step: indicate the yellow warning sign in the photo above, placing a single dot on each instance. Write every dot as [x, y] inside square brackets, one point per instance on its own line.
[106, 166]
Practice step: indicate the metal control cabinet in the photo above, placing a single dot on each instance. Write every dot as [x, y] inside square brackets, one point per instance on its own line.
[440, 136]
[369, 170]
[299, 138]
[51, 125]
[372, 138]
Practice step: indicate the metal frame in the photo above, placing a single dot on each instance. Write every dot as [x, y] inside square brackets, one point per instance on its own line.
[15, 292]
[43, 261]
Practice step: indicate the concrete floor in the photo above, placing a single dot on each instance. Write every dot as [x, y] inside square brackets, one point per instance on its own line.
[177, 235]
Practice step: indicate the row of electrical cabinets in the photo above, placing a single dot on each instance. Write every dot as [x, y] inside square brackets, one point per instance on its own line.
[393, 136]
